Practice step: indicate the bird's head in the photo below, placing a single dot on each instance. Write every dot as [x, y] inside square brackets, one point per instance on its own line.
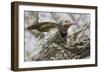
[64, 25]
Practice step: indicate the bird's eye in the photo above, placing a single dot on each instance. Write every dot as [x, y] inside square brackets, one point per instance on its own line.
[66, 21]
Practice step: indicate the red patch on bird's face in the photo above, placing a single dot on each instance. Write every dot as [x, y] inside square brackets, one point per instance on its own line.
[66, 23]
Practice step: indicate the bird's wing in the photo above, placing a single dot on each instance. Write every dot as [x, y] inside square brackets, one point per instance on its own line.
[35, 26]
[43, 26]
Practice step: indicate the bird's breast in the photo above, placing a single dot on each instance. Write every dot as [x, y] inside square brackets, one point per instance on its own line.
[63, 34]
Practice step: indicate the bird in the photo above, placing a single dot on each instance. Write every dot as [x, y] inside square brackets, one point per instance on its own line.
[62, 27]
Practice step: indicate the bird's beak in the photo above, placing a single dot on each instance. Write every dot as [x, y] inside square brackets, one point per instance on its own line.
[72, 24]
